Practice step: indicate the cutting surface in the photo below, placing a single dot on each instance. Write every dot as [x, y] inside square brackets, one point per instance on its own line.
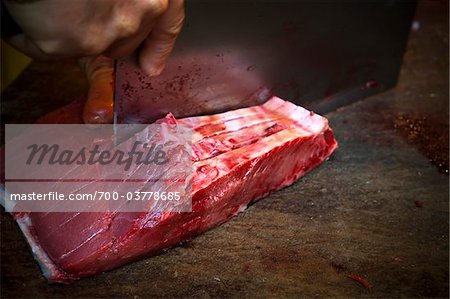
[377, 209]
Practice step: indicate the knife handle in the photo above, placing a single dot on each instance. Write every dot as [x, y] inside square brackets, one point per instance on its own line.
[99, 106]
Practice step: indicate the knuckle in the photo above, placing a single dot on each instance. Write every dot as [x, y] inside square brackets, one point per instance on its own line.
[174, 29]
[50, 48]
[180, 22]
[91, 46]
[157, 7]
[172, 32]
[127, 26]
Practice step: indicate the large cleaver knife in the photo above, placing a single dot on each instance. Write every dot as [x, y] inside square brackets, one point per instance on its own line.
[231, 54]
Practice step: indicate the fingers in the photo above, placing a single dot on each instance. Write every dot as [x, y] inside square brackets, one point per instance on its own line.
[126, 46]
[99, 106]
[54, 30]
[158, 45]
[134, 26]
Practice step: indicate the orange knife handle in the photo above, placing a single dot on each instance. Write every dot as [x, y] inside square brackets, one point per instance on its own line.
[99, 106]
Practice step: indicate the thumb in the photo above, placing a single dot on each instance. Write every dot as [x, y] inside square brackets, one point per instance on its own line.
[99, 105]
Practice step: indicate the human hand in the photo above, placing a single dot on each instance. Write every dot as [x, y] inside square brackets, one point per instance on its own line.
[55, 29]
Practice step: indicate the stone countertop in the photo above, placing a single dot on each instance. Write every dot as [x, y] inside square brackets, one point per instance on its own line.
[378, 209]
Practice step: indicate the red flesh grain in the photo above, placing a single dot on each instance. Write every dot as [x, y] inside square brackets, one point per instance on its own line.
[239, 157]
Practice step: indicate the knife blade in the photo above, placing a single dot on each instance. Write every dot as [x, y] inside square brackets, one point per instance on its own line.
[236, 54]
[189, 85]
[115, 116]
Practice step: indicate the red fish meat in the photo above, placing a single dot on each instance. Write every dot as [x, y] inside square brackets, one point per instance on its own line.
[239, 157]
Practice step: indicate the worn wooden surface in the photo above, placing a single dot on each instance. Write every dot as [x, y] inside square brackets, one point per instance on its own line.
[377, 209]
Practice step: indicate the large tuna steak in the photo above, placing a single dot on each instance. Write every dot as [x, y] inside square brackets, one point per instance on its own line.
[239, 157]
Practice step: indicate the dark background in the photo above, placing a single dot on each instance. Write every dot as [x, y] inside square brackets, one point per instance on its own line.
[377, 209]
